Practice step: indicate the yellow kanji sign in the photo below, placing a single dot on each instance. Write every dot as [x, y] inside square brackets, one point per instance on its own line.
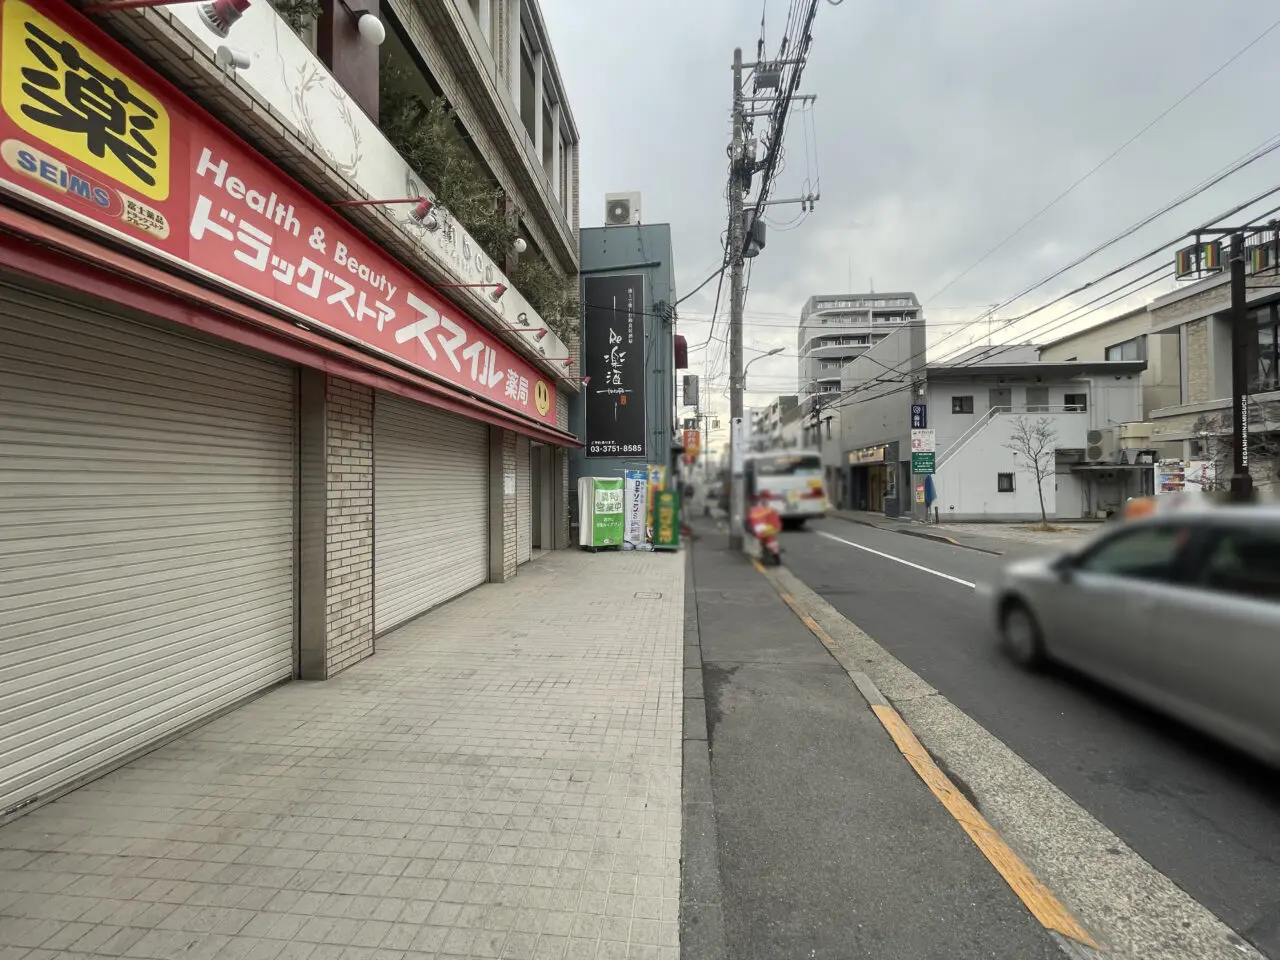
[65, 95]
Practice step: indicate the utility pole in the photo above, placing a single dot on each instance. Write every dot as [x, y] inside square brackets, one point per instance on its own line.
[1241, 352]
[738, 164]
[781, 76]
[1241, 479]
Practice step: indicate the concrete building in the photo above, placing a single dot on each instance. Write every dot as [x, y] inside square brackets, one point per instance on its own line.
[1195, 423]
[767, 422]
[836, 329]
[268, 428]
[1127, 337]
[875, 422]
[973, 409]
[628, 351]
[976, 409]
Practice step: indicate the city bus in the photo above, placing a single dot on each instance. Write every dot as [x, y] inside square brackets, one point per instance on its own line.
[790, 481]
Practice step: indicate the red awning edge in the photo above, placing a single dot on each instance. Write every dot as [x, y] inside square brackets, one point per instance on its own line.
[42, 250]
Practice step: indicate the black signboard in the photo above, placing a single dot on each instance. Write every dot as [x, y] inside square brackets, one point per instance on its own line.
[614, 362]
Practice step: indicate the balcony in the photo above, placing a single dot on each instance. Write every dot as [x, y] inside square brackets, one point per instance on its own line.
[834, 351]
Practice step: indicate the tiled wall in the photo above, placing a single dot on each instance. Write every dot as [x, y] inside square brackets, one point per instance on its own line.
[349, 524]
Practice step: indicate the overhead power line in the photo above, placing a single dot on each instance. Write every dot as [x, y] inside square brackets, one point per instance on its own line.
[1240, 163]
[1106, 160]
[903, 374]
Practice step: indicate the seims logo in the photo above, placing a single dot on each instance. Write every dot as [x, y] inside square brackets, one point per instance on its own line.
[53, 173]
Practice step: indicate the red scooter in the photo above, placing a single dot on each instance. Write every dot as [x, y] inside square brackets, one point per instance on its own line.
[764, 524]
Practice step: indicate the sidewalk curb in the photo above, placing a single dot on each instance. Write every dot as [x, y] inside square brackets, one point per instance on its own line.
[1132, 908]
[702, 931]
[923, 535]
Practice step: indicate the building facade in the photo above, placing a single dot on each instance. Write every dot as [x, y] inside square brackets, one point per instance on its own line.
[875, 421]
[1196, 426]
[974, 405]
[267, 395]
[766, 432]
[626, 413]
[836, 329]
[984, 472]
[1127, 337]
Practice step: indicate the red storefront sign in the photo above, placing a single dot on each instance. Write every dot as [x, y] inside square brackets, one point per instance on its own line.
[87, 129]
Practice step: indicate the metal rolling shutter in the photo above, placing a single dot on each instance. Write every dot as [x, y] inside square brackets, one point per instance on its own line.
[147, 489]
[430, 508]
[524, 501]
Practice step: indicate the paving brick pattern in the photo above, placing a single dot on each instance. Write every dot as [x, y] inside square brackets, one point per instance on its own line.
[501, 780]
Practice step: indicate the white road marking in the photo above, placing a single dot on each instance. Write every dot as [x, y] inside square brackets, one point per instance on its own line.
[889, 556]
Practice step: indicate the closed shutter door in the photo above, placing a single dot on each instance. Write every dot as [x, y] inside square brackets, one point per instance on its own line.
[146, 536]
[430, 508]
[524, 502]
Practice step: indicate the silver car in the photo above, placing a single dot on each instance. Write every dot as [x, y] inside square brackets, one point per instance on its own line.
[1181, 611]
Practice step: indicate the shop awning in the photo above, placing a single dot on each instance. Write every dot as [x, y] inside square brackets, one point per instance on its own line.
[44, 251]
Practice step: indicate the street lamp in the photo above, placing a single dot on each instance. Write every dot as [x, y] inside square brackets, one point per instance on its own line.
[772, 353]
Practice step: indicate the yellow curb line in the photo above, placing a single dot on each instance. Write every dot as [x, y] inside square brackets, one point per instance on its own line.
[1044, 906]
[1037, 898]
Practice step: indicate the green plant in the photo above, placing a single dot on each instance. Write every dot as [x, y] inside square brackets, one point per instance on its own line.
[297, 13]
[426, 134]
[554, 297]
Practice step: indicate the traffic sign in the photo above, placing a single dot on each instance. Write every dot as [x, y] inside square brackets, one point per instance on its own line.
[922, 463]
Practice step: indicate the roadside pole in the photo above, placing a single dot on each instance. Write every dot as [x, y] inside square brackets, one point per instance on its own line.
[1241, 479]
[1195, 262]
[734, 246]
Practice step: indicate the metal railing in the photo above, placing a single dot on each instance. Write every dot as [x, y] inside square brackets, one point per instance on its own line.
[982, 422]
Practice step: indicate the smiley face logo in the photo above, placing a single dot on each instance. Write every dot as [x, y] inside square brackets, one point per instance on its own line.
[541, 398]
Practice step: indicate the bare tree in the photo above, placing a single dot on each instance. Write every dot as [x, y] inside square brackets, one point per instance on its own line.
[1036, 444]
[1217, 445]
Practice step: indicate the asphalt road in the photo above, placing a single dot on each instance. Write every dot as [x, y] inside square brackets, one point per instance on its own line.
[830, 846]
[1204, 816]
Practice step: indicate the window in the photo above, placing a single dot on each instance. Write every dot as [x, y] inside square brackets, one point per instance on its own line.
[1004, 483]
[1149, 553]
[1244, 562]
[1078, 402]
[1037, 399]
[787, 466]
[565, 160]
[548, 144]
[1268, 372]
[528, 108]
[1135, 349]
[962, 404]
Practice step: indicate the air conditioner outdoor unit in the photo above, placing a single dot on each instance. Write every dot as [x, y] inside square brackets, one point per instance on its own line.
[1101, 445]
[621, 209]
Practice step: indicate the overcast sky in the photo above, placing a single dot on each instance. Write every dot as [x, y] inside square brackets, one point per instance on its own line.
[940, 127]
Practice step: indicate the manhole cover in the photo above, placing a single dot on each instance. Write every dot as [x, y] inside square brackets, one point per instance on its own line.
[648, 596]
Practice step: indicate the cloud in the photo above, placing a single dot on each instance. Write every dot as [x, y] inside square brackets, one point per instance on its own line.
[941, 126]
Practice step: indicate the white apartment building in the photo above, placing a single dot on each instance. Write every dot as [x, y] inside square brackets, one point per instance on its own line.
[836, 329]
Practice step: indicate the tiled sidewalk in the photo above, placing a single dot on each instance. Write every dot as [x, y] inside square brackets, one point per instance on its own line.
[501, 780]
